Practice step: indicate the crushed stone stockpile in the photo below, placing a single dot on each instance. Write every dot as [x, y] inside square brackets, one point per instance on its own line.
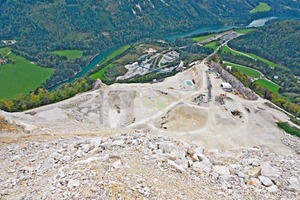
[139, 166]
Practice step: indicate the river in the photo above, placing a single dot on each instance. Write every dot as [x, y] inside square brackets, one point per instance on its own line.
[97, 59]
[85, 69]
[208, 29]
[260, 22]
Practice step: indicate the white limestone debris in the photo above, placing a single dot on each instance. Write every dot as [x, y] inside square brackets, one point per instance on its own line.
[140, 166]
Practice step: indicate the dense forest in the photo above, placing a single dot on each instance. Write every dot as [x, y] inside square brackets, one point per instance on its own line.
[43, 26]
[278, 42]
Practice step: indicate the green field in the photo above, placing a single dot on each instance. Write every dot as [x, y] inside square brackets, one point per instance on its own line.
[248, 71]
[270, 63]
[20, 77]
[116, 53]
[213, 45]
[100, 73]
[70, 54]
[269, 85]
[261, 7]
[244, 31]
[226, 49]
[4, 51]
[289, 129]
[204, 37]
[111, 56]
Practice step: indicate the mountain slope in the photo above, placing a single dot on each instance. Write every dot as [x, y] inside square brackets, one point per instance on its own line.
[278, 42]
[47, 25]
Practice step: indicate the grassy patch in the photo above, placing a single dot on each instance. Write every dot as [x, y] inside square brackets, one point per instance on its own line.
[226, 49]
[70, 54]
[244, 31]
[269, 85]
[21, 77]
[204, 37]
[128, 58]
[100, 74]
[261, 7]
[248, 71]
[213, 45]
[4, 51]
[289, 129]
[115, 54]
[270, 63]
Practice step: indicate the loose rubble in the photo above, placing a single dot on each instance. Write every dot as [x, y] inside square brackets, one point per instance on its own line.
[291, 141]
[140, 166]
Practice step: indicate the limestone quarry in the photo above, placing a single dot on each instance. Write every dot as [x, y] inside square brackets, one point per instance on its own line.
[162, 140]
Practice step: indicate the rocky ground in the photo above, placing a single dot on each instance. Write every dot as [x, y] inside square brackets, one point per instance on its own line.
[6, 126]
[106, 144]
[140, 166]
[167, 108]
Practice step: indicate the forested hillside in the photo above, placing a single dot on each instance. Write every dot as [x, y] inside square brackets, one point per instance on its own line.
[278, 42]
[42, 26]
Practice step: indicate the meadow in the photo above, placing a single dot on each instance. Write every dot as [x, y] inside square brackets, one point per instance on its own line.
[269, 85]
[261, 7]
[101, 72]
[248, 71]
[213, 45]
[22, 76]
[113, 55]
[226, 49]
[244, 30]
[203, 37]
[70, 54]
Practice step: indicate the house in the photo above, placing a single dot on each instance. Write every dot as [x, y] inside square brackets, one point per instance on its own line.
[2, 62]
